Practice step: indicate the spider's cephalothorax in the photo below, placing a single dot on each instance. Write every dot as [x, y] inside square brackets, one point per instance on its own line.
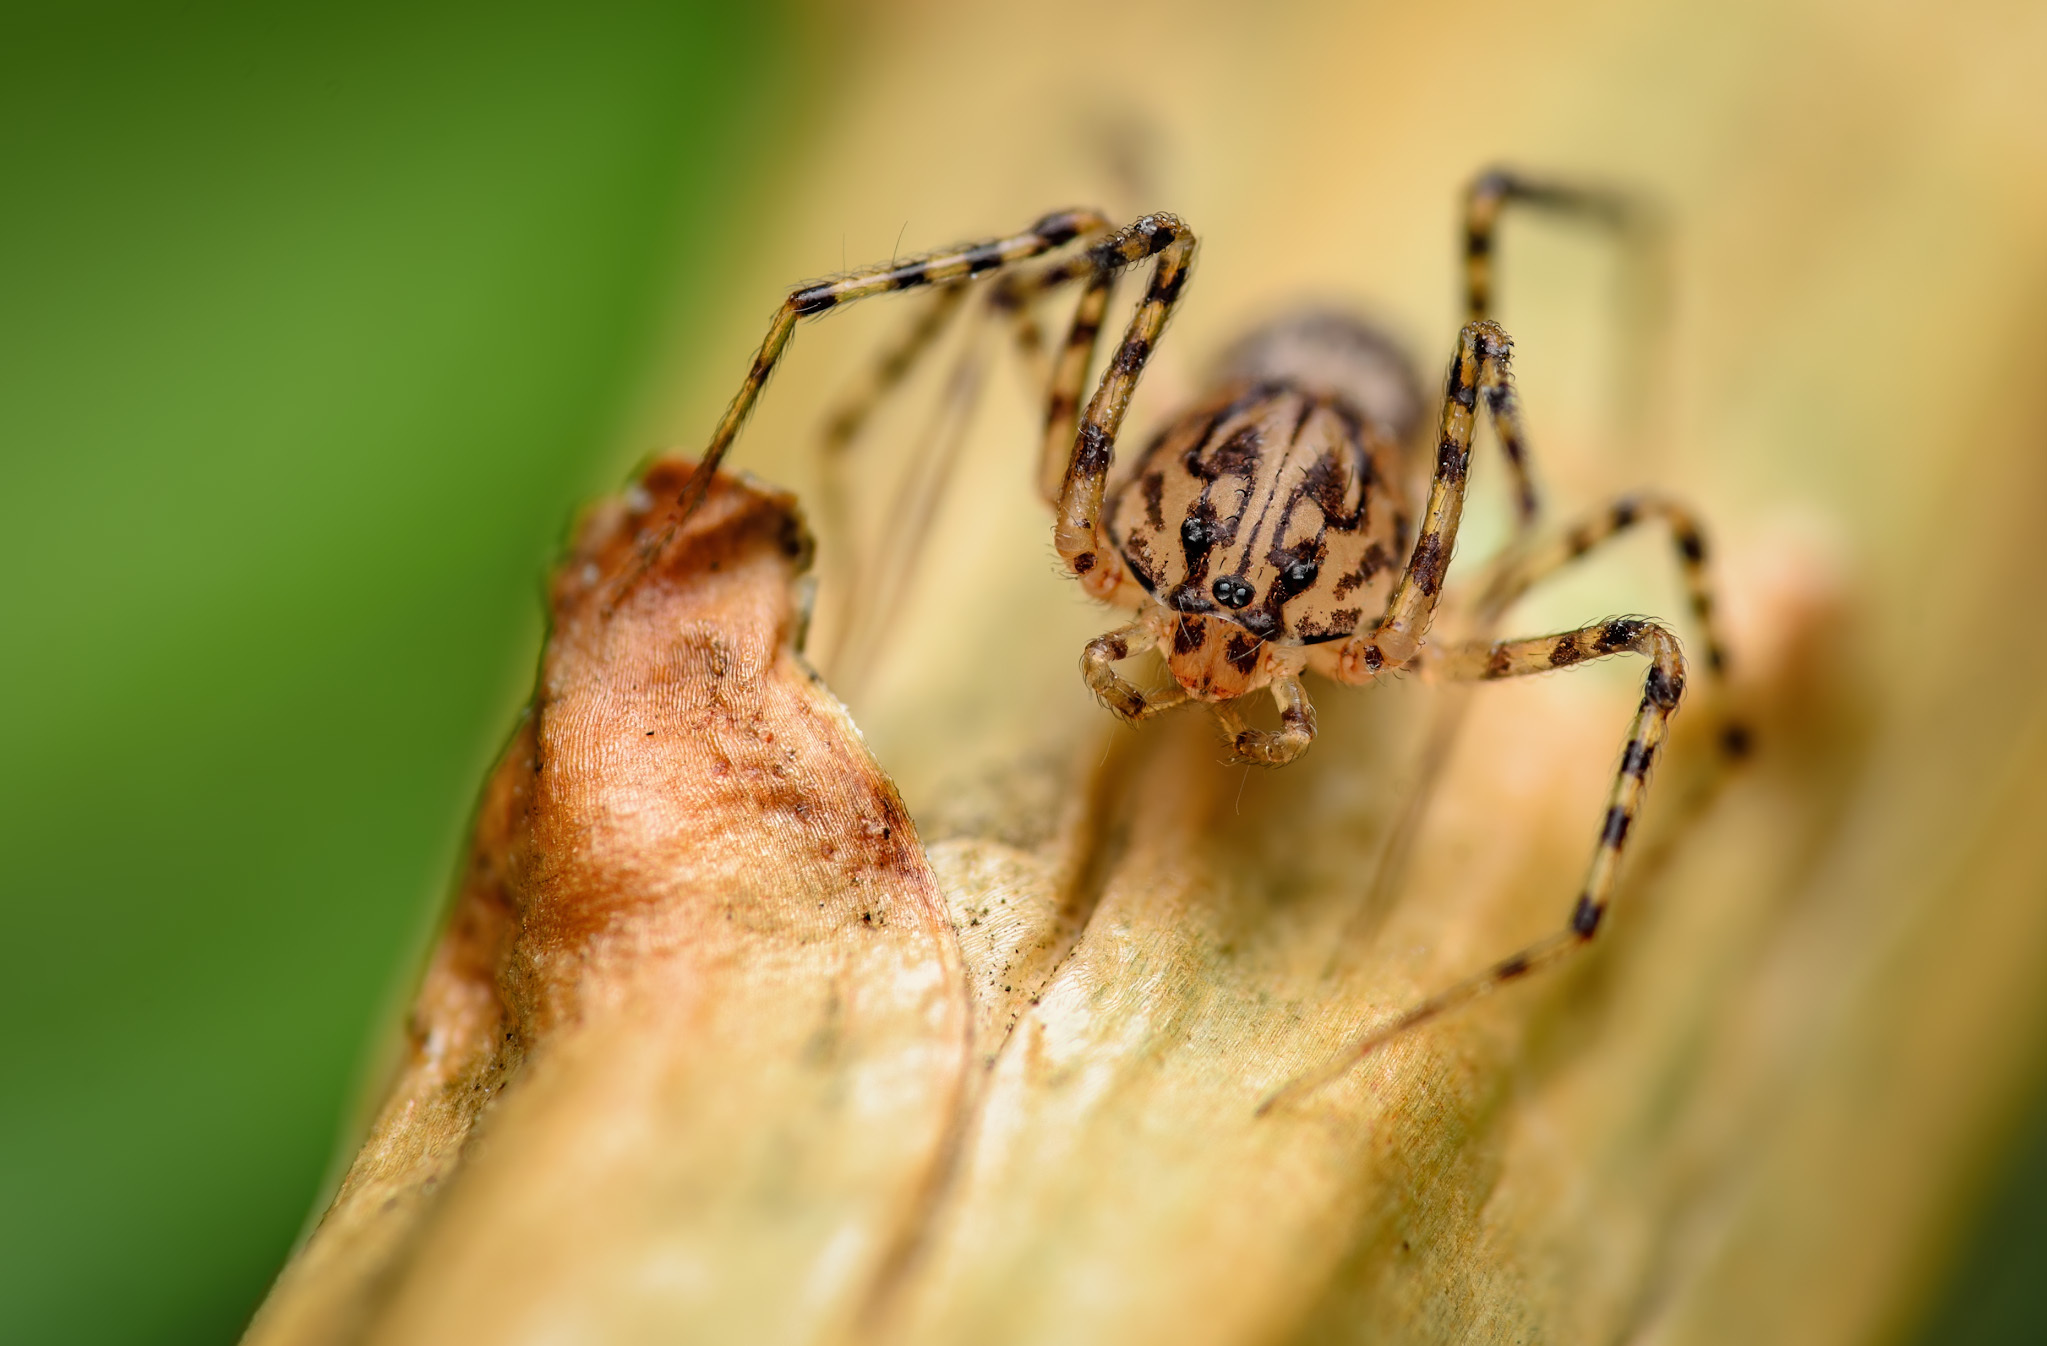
[1270, 518]
[1294, 520]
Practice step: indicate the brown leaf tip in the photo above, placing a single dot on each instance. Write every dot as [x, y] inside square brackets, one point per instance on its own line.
[638, 537]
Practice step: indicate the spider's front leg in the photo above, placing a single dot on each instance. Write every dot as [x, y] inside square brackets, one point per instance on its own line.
[1662, 690]
[945, 267]
[1479, 370]
[1077, 533]
[939, 268]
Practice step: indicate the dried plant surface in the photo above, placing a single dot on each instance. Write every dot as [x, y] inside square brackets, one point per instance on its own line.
[698, 1017]
[714, 1051]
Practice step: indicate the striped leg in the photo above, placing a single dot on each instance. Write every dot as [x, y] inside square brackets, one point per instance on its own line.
[1493, 191]
[873, 587]
[1069, 374]
[897, 359]
[1480, 367]
[1076, 534]
[1011, 295]
[1097, 665]
[1485, 201]
[866, 585]
[1522, 572]
[843, 426]
[1662, 689]
[1267, 747]
[964, 262]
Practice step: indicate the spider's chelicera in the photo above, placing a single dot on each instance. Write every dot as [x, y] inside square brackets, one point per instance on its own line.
[1294, 519]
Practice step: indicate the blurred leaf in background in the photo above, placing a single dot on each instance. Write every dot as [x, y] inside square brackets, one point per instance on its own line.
[315, 324]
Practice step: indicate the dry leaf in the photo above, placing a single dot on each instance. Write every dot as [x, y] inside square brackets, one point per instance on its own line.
[698, 964]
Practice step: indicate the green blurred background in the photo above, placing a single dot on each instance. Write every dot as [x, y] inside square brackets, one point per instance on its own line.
[314, 323]
[313, 326]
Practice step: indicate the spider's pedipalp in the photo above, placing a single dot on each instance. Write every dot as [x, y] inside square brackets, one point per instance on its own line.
[1098, 659]
[1267, 747]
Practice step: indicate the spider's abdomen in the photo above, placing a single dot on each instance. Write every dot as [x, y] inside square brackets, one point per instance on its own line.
[1266, 506]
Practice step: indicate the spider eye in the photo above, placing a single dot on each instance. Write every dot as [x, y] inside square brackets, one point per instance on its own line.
[1301, 574]
[1193, 532]
[1232, 592]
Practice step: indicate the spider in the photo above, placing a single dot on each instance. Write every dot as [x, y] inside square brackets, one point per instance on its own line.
[1290, 521]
